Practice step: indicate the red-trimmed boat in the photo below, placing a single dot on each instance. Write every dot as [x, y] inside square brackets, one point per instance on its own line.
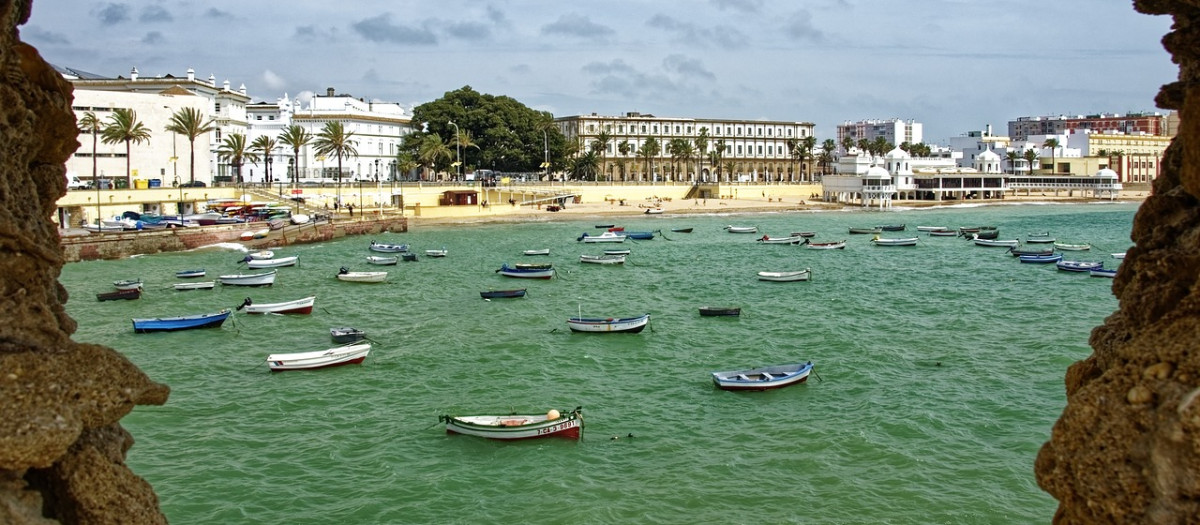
[299, 306]
[351, 354]
[764, 378]
[518, 426]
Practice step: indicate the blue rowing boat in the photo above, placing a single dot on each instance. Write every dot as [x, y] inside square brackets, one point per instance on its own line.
[187, 322]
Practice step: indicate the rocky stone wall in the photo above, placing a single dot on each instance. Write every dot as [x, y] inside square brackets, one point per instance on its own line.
[62, 448]
[1127, 447]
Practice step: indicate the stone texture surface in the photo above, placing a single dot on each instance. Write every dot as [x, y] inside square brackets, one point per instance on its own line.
[1127, 447]
[62, 449]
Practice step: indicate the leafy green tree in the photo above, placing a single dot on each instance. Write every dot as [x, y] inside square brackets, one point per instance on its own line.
[435, 154]
[124, 126]
[405, 164]
[295, 137]
[623, 148]
[1051, 143]
[716, 156]
[825, 159]
[89, 123]
[650, 150]
[1012, 157]
[237, 152]
[701, 149]
[265, 145]
[1031, 157]
[190, 123]
[847, 143]
[334, 140]
[585, 166]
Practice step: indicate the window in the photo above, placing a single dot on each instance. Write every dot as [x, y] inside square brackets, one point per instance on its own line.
[789, 132]
[643, 128]
[760, 150]
[258, 117]
[218, 108]
[768, 132]
[656, 129]
[760, 132]
[739, 150]
[677, 130]
[739, 130]
[770, 150]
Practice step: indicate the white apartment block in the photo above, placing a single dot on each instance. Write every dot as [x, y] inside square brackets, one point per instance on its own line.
[377, 127]
[225, 106]
[754, 150]
[895, 131]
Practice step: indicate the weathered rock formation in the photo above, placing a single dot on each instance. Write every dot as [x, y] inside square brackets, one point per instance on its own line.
[62, 450]
[1127, 447]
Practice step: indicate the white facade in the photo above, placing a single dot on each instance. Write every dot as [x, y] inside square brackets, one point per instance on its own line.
[972, 143]
[149, 160]
[895, 131]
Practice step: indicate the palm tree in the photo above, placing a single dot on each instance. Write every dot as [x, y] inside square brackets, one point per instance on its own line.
[90, 124]
[1012, 157]
[807, 144]
[1051, 143]
[433, 153]
[296, 137]
[335, 140]
[680, 150]
[405, 163]
[829, 146]
[235, 150]
[650, 149]
[123, 126]
[624, 147]
[716, 155]
[600, 146]
[190, 123]
[584, 167]
[880, 146]
[847, 143]
[266, 146]
[464, 141]
[793, 150]
[701, 142]
[1031, 156]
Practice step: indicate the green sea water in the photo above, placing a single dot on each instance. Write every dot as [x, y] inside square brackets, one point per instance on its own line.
[941, 373]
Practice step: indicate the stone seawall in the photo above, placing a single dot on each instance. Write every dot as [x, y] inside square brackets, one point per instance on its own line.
[120, 245]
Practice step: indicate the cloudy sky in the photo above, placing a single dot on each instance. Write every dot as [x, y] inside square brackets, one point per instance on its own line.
[955, 65]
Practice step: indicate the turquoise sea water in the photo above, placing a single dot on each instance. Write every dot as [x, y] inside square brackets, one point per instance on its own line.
[942, 370]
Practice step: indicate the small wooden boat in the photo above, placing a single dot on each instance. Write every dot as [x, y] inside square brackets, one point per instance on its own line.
[522, 273]
[794, 239]
[870, 231]
[681, 230]
[983, 234]
[805, 235]
[1072, 247]
[786, 277]
[346, 334]
[605, 226]
[351, 354]
[436, 253]
[603, 237]
[1009, 243]
[1079, 266]
[602, 259]
[609, 325]
[187, 322]
[261, 255]
[273, 263]
[836, 245]
[942, 233]
[190, 274]
[616, 228]
[518, 426]
[299, 306]
[654, 211]
[541, 251]
[388, 248]
[720, 311]
[741, 229]
[344, 274]
[1040, 238]
[892, 227]
[1017, 251]
[128, 284]
[503, 294]
[1120, 255]
[202, 285]
[908, 241]
[616, 252]
[1041, 259]
[120, 295]
[257, 279]
[1103, 272]
[932, 228]
[379, 260]
[533, 266]
[408, 257]
[639, 236]
[764, 378]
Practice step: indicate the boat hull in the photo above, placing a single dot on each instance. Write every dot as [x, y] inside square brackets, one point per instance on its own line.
[343, 335]
[784, 277]
[609, 325]
[273, 263]
[190, 274]
[206, 285]
[765, 378]
[362, 277]
[720, 311]
[516, 426]
[602, 259]
[523, 273]
[120, 295]
[300, 306]
[172, 324]
[261, 279]
[340, 356]
[502, 294]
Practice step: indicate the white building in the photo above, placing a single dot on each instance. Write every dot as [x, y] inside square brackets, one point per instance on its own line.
[973, 143]
[894, 131]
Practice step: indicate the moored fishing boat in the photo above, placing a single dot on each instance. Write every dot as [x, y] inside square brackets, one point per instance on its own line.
[1079, 266]
[764, 378]
[741, 229]
[720, 311]
[1018, 251]
[609, 325]
[387, 248]
[523, 273]
[257, 279]
[785, 277]
[503, 294]
[120, 295]
[1072, 247]
[608, 236]
[616, 252]
[436, 253]
[1041, 259]
[518, 426]
[272, 263]
[681, 230]
[261, 255]
[907, 241]
[540, 251]
[861, 231]
[379, 260]
[344, 274]
[805, 235]
[1007, 243]
[792, 239]
[202, 285]
[835, 245]
[187, 322]
[942, 233]
[128, 284]
[190, 274]
[892, 227]
[602, 259]
[346, 334]
[932, 228]
[1103, 272]
[351, 354]
[299, 306]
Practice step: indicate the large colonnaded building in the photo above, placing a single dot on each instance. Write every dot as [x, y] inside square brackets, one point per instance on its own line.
[755, 150]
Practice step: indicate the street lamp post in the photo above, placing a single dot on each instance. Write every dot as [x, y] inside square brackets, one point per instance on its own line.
[457, 152]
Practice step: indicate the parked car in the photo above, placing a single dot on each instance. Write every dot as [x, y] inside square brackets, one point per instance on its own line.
[73, 183]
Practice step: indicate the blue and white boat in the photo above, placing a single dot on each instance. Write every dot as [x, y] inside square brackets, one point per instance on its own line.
[1079, 266]
[1041, 259]
[388, 248]
[609, 325]
[1103, 272]
[540, 272]
[187, 322]
[765, 378]
[189, 274]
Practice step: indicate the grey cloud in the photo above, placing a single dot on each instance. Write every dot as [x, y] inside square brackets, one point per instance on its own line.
[218, 14]
[38, 35]
[469, 30]
[381, 29]
[687, 67]
[745, 6]
[496, 16]
[722, 37]
[155, 13]
[153, 38]
[111, 14]
[799, 26]
[577, 26]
